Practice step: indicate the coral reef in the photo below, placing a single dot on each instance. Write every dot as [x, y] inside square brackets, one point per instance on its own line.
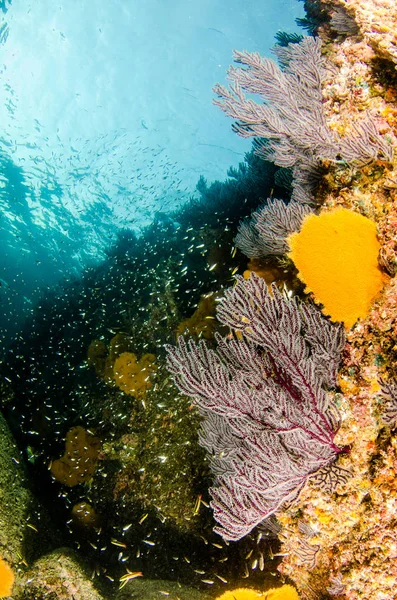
[121, 367]
[102, 359]
[26, 533]
[291, 128]
[148, 589]
[350, 536]
[78, 464]
[344, 545]
[376, 21]
[161, 464]
[330, 115]
[389, 405]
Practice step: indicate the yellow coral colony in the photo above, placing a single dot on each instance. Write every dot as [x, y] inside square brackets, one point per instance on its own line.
[285, 592]
[336, 254]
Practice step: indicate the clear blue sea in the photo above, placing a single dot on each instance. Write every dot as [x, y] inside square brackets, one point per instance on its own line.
[107, 120]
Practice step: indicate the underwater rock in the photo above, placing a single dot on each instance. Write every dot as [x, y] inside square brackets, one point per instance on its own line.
[149, 589]
[162, 466]
[25, 528]
[59, 575]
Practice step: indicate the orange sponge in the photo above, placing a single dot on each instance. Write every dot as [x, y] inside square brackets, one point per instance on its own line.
[241, 594]
[6, 579]
[133, 376]
[336, 254]
[285, 592]
[78, 464]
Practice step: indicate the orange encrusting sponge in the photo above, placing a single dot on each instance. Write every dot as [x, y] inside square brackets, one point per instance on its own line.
[6, 579]
[285, 592]
[336, 254]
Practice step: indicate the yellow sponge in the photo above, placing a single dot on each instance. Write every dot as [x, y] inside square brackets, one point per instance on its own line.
[285, 592]
[336, 254]
[6, 579]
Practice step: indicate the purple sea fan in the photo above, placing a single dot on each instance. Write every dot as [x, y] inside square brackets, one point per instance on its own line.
[265, 232]
[289, 123]
[268, 421]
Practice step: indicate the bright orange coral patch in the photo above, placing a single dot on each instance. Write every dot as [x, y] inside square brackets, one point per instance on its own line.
[6, 579]
[336, 254]
[285, 592]
[241, 594]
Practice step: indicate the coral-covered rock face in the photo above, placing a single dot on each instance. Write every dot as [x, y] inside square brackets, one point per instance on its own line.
[351, 535]
[336, 254]
[78, 463]
[59, 575]
[377, 20]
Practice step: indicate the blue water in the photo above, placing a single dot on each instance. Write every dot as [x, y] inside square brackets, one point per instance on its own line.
[107, 119]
